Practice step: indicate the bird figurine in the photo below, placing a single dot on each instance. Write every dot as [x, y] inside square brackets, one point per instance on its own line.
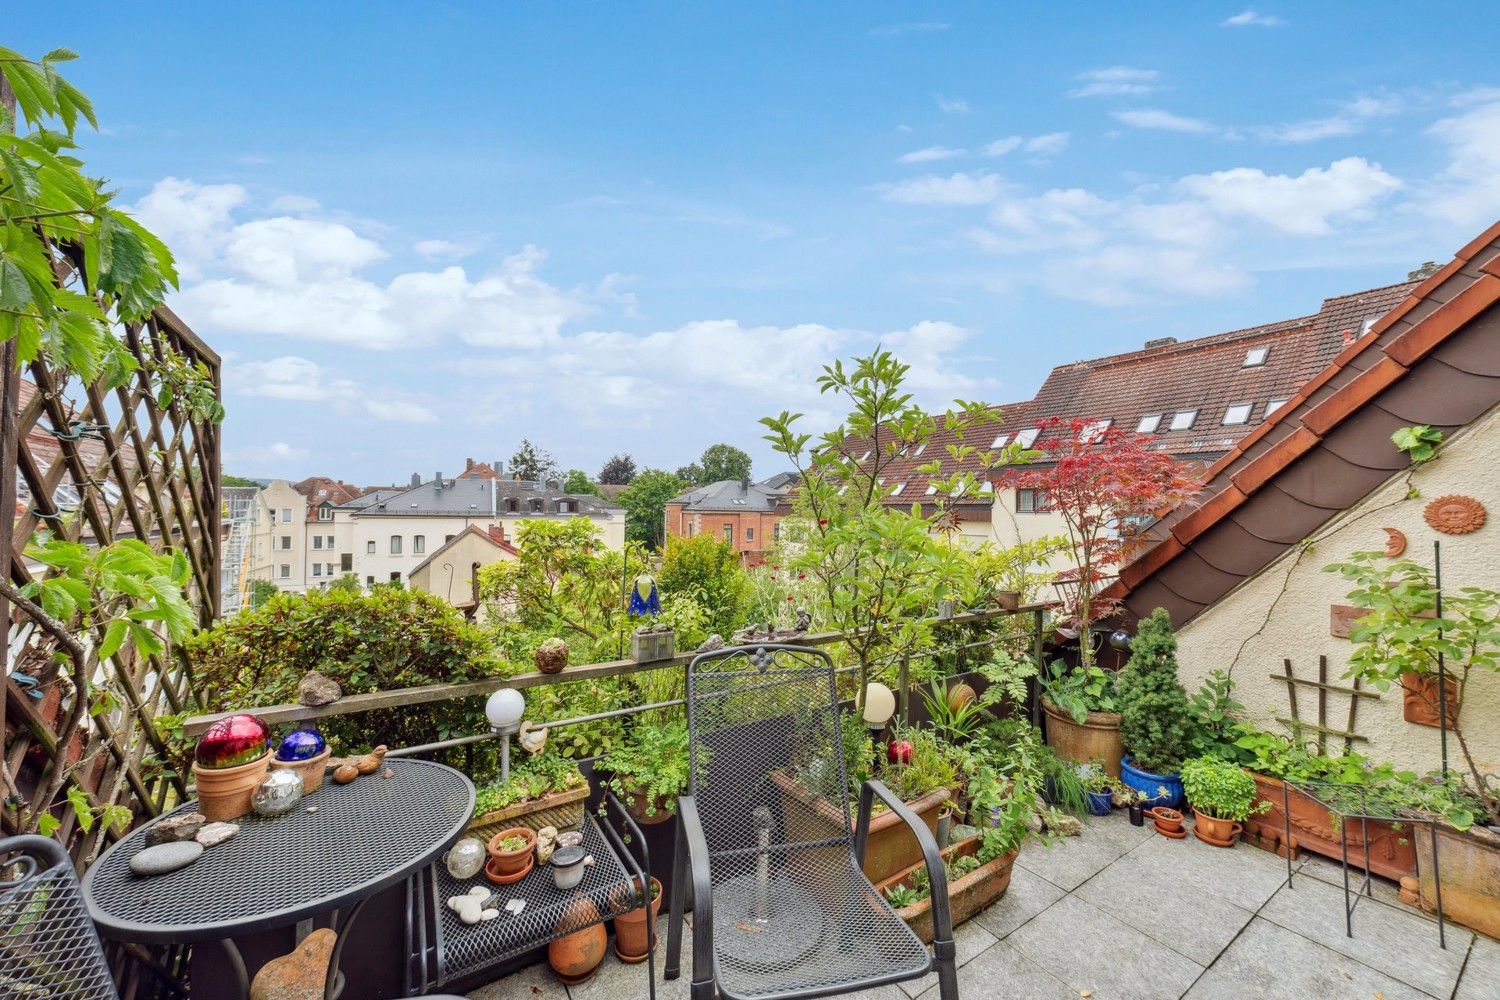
[531, 738]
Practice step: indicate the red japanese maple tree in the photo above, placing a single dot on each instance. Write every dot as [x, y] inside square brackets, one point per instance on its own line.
[1108, 486]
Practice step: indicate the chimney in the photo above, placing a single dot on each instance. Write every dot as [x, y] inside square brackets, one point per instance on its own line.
[497, 532]
[437, 477]
[1427, 270]
[1348, 337]
[416, 480]
[468, 464]
[745, 484]
[1160, 342]
[499, 468]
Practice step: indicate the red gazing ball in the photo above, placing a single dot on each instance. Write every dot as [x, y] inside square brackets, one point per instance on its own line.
[899, 752]
[235, 740]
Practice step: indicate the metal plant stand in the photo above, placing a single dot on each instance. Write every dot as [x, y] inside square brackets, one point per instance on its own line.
[1365, 807]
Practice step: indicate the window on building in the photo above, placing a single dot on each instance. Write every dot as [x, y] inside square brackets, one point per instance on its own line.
[1255, 357]
[749, 534]
[325, 513]
[931, 490]
[317, 569]
[536, 505]
[317, 541]
[1184, 419]
[395, 577]
[1275, 405]
[1094, 430]
[328, 568]
[1239, 413]
[1027, 438]
[286, 515]
[286, 571]
[1368, 325]
[395, 545]
[419, 543]
[866, 456]
[999, 441]
[1149, 423]
[370, 547]
[369, 581]
[448, 538]
[898, 489]
[346, 562]
[512, 505]
[330, 542]
[286, 541]
[1030, 501]
[729, 533]
[920, 448]
[776, 530]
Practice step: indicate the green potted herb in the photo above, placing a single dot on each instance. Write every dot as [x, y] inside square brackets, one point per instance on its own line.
[1156, 720]
[648, 770]
[1222, 796]
[545, 790]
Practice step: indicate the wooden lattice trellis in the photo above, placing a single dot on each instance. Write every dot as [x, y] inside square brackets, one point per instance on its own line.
[93, 464]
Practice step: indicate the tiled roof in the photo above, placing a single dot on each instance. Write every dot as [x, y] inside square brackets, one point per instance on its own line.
[730, 495]
[1433, 359]
[320, 490]
[488, 535]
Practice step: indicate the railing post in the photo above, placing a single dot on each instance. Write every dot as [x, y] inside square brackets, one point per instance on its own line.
[903, 678]
[1037, 651]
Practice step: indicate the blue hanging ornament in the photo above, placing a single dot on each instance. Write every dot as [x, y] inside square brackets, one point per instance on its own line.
[643, 597]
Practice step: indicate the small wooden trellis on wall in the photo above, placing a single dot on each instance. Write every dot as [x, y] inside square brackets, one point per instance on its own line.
[1321, 728]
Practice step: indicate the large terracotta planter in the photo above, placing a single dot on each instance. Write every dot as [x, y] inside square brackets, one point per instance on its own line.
[890, 847]
[1469, 864]
[312, 769]
[635, 932]
[637, 802]
[575, 957]
[1097, 738]
[966, 897]
[563, 810]
[1392, 852]
[226, 793]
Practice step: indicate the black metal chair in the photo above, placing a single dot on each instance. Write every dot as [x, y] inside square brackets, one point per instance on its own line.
[49, 949]
[781, 907]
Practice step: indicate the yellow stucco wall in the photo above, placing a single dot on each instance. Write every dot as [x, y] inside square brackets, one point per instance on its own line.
[1284, 610]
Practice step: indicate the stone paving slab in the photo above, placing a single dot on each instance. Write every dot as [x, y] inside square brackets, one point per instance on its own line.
[969, 940]
[1001, 972]
[1166, 906]
[1088, 949]
[1028, 895]
[1072, 861]
[1244, 875]
[1398, 943]
[1481, 975]
[1269, 962]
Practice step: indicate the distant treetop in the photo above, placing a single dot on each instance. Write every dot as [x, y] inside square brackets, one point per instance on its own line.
[618, 471]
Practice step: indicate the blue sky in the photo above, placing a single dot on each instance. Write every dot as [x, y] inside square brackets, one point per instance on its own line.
[420, 232]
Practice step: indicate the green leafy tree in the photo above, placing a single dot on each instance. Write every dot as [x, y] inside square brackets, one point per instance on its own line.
[536, 464]
[237, 481]
[708, 570]
[645, 506]
[262, 591]
[618, 471]
[578, 482]
[1156, 721]
[348, 583]
[874, 564]
[691, 474]
[723, 461]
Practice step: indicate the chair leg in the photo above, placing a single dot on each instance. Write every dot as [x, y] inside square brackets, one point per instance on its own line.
[672, 968]
[945, 964]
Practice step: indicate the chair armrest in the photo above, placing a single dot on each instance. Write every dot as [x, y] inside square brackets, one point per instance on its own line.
[703, 890]
[942, 920]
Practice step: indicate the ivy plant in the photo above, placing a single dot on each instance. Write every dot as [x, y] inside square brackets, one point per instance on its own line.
[1419, 442]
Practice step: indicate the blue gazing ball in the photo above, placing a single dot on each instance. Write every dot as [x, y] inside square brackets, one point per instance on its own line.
[301, 744]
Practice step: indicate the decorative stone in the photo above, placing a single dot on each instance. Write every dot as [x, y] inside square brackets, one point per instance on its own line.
[316, 689]
[465, 858]
[301, 744]
[344, 774]
[312, 809]
[1410, 890]
[387, 773]
[571, 838]
[279, 793]
[476, 905]
[174, 828]
[546, 843]
[300, 975]
[215, 834]
[1455, 515]
[165, 858]
[232, 741]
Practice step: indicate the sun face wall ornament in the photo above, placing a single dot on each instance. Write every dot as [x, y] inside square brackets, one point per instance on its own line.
[1455, 514]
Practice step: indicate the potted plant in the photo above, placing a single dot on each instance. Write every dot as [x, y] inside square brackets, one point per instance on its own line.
[635, 935]
[1222, 796]
[1155, 718]
[544, 790]
[551, 656]
[1168, 821]
[1082, 707]
[1099, 786]
[648, 770]
[1396, 640]
[510, 852]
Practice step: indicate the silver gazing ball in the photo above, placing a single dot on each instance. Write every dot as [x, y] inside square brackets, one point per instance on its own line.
[465, 858]
[279, 793]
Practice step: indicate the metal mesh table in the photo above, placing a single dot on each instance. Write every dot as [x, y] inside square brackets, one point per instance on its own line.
[366, 835]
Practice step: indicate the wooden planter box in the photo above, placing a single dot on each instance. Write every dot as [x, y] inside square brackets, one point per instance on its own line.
[653, 646]
[968, 896]
[1392, 851]
[1099, 736]
[563, 810]
[891, 846]
[1469, 864]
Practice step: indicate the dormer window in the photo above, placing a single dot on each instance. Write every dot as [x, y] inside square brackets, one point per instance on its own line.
[512, 505]
[325, 512]
[920, 448]
[1255, 357]
[1149, 423]
[931, 490]
[1239, 413]
[536, 505]
[1184, 419]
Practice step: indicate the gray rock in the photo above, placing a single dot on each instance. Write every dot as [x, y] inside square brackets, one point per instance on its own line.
[165, 858]
[215, 834]
[316, 689]
[174, 828]
[962, 832]
[1064, 825]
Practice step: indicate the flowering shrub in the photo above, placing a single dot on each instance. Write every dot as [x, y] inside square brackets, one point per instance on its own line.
[777, 592]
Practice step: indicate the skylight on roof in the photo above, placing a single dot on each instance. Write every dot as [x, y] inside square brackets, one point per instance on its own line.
[986, 487]
[898, 490]
[920, 448]
[1183, 419]
[999, 441]
[1094, 430]
[931, 490]
[1275, 405]
[1027, 438]
[1255, 357]
[1149, 423]
[1368, 325]
[866, 456]
[1239, 413]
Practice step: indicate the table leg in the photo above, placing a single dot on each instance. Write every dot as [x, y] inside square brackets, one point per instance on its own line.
[237, 964]
[344, 923]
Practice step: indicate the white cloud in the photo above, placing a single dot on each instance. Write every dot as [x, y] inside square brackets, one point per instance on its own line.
[1301, 205]
[1123, 274]
[193, 219]
[295, 204]
[1310, 131]
[931, 153]
[953, 106]
[291, 253]
[1116, 81]
[297, 379]
[1047, 145]
[270, 454]
[399, 412]
[1002, 146]
[1468, 190]
[959, 189]
[1155, 118]
[442, 249]
[1060, 218]
[1250, 17]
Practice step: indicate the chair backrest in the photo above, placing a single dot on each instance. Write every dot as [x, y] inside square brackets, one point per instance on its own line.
[767, 747]
[48, 947]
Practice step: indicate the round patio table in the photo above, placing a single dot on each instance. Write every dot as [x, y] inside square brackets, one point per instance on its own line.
[363, 837]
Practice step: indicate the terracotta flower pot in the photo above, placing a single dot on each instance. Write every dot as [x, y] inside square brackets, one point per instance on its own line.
[575, 957]
[226, 793]
[510, 862]
[1215, 829]
[631, 929]
[636, 803]
[1169, 818]
[312, 769]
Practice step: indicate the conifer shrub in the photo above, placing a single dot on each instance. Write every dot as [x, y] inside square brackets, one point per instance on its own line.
[1156, 722]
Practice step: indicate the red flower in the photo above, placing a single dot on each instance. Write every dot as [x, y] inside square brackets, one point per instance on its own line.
[789, 597]
[802, 576]
[822, 520]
